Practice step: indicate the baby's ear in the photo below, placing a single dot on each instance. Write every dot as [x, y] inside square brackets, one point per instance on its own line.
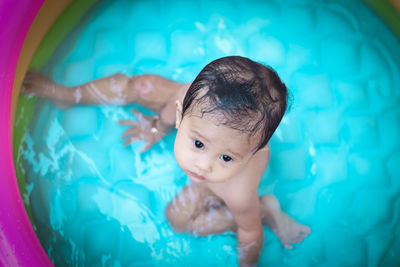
[178, 114]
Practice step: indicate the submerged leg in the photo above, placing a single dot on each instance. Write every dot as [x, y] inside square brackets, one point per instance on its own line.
[286, 228]
[199, 211]
[214, 221]
[150, 91]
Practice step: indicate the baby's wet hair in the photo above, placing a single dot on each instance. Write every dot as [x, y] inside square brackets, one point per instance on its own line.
[250, 96]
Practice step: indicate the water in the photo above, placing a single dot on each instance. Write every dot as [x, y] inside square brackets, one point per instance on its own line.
[335, 157]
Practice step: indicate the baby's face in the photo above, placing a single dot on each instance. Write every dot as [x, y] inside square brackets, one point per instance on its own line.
[208, 152]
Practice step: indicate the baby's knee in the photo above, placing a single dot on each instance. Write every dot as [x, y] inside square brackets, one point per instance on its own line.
[178, 220]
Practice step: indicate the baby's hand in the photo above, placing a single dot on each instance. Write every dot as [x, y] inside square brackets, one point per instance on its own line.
[144, 129]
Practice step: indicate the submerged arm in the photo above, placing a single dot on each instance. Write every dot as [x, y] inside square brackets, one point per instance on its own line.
[250, 244]
[151, 129]
[250, 232]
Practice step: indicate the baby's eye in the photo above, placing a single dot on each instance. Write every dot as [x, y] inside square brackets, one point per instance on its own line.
[198, 144]
[226, 158]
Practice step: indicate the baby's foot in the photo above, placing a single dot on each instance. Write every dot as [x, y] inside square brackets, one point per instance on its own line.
[289, 231]
[286, 228]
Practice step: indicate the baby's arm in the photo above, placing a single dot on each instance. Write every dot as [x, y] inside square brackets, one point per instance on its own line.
[151, 129]
[250, 232]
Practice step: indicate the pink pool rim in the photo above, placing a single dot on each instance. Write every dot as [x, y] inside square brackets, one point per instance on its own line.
[19, 245]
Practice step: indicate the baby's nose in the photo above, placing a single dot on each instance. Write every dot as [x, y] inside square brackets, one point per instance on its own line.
[204, 164]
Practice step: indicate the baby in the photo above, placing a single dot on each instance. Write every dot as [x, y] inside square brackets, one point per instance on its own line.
[224, 120]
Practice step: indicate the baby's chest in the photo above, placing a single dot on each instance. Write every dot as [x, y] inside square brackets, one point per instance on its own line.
[232, 196]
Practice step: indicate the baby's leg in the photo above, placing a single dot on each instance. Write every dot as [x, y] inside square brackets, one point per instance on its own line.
[199, 211]
[286, 228]
[151, 91]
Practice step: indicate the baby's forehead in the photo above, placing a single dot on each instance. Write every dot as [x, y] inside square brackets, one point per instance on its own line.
[219, 128]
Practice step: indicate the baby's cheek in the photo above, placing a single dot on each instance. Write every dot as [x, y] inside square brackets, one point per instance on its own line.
[179, 154]
[220, 174]
[227, 173]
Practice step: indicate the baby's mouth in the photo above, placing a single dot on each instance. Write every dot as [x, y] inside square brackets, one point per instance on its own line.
[195, 175]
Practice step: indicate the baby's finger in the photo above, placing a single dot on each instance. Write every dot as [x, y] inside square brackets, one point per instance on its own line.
[30, 74]
[28, 81]
[34, 75]
[128, 122]
[27, 89]
[130, 140]
[146, 147]
[288, 246]
[139, 115]
[306, 230]
[131, 132]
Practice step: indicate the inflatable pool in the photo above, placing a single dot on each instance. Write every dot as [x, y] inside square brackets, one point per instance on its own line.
[18, 243]
[94, 202]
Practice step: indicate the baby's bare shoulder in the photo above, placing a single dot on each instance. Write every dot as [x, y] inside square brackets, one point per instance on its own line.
[240, 193]
[244, 192]
[256, 165]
